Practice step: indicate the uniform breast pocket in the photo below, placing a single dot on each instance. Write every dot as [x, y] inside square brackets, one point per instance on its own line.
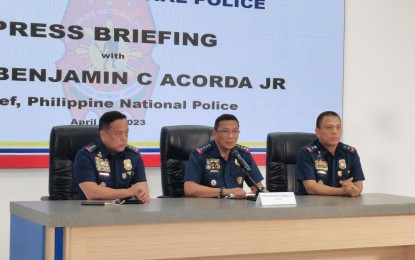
[123, 180]
[237, 177]
[343, 171]
[322, 177]
[126, 176]
[104, 176]
[343, 174]
[104, 179]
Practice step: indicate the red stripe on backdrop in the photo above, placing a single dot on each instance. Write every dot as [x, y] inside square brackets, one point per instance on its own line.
[24, 161]
[259, 159]
[42, 161]
[151, 160]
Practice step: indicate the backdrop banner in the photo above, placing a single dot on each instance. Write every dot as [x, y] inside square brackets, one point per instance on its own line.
[274, 64]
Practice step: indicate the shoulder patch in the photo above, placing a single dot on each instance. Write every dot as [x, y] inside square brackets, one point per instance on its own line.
[349, 148]
[204, 148]
[311, 149]
[91, 147]
[132, 148]
[242, 148]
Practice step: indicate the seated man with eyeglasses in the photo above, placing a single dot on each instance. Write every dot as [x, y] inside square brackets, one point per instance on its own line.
[213, 172]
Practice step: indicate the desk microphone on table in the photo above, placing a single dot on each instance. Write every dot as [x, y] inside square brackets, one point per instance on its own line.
[246, 170]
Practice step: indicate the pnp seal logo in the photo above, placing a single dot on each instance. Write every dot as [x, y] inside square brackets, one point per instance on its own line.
[109, 57]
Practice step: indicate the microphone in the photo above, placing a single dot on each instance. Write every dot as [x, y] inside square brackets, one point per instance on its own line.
[246, 170]
[240, 160]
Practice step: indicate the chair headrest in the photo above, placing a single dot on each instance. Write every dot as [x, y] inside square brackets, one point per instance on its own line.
[284, 146]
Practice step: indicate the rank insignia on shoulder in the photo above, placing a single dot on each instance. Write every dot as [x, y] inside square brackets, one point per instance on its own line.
[349, 148]
[242, 148]
[204, 148]
[311, 149]
[91, 147]
[132, 148]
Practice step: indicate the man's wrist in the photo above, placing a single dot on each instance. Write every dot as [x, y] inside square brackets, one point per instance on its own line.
[221, 193]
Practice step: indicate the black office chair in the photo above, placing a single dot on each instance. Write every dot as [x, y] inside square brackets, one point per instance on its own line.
[281, 158]
[64, 143]
[176, 144]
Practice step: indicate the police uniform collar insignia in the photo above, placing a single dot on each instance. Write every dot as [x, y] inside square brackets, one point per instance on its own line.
[204, 148]
[132, 148]
[103, 150]
[242, 148]
[319, 155]
[322, 149]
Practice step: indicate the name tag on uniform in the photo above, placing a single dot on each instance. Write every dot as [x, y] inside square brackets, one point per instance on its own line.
[275, 198]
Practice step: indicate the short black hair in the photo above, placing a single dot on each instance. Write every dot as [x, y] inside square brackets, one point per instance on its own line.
[224, 117]
[322, 115]
[108, 117]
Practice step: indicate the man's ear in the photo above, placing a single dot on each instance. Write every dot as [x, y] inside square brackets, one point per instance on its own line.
[317, 130]
[214, 133]
[102, 134]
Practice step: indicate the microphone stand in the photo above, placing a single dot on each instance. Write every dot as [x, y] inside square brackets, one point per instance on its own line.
[258, 190]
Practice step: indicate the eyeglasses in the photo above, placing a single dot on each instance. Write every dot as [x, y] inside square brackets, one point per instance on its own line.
[227, 132]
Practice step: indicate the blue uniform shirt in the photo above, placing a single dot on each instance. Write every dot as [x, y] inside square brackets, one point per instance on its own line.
[315, 162]
[207, 167]
[94, 163]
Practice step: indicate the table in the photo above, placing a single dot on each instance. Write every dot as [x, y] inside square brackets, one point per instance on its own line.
[317, 227]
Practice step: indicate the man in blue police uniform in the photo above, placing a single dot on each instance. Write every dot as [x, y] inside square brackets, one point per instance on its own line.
[109, 168]
[213, 172]
[327, 166]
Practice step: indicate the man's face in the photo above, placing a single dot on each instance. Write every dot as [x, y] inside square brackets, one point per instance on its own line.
[115, 138]
[329, 132]
[226, 135]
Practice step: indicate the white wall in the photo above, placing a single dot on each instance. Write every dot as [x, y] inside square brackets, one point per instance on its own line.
[379, 91]
[378, 107]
